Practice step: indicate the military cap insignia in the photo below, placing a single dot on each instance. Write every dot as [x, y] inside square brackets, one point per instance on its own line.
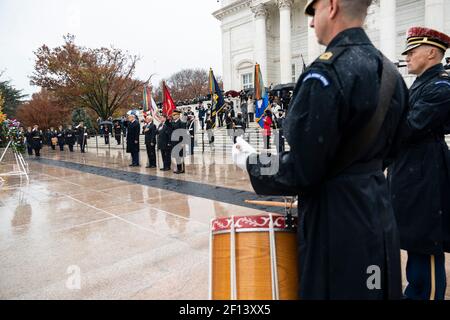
[326, 56]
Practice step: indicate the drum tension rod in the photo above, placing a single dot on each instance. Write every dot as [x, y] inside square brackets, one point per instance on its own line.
[289, 204]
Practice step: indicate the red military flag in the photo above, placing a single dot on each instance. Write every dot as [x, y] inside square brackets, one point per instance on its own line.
[168, 104]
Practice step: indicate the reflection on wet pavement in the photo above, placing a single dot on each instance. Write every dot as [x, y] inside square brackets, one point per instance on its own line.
[128, 240]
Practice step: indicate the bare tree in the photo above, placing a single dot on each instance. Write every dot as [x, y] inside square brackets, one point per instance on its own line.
[188, 84]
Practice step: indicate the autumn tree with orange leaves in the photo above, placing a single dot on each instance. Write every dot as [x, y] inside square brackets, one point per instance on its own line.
[101, 80]
[44, 110]
[2, 115]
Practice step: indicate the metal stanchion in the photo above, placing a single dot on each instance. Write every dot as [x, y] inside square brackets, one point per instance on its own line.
[157, 157]
[96, 142]
[257, 140]
[203, 141]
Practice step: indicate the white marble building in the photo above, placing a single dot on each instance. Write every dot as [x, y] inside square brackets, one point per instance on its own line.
[275, 34]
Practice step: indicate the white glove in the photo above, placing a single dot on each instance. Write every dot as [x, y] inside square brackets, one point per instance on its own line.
[240, 152]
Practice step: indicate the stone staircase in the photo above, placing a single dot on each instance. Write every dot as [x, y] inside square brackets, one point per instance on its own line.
[222, 142]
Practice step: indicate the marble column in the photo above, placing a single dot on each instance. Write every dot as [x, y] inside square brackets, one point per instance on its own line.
[388, 27]
[261, 13]
[285, 40]
[435, 14]
[226, 60]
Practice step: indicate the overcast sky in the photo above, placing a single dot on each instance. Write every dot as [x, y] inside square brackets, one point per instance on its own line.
[168, 34]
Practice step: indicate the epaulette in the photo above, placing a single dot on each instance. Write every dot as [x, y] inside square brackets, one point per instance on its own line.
[444, 79]
[330, 56]
[445, 75]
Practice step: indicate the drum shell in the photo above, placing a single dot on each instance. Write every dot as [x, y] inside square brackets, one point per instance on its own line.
[253, 265]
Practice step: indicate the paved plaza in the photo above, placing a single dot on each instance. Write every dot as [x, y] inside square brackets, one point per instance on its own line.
[131, 233]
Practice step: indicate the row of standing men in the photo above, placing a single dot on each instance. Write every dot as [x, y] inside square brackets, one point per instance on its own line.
[35, 138]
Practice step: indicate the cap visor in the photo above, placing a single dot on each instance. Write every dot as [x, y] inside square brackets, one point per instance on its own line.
[409, 48]
[309, 10]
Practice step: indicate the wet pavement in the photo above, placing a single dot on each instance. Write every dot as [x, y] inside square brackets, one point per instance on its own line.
[126, 239]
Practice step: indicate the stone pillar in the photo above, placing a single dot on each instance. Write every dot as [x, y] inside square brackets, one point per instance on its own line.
[435, 14]
[285, 40]
[388, 27]
[261, 13]
[226, 60]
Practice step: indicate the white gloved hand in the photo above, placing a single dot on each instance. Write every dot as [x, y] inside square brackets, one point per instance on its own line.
[240, 152]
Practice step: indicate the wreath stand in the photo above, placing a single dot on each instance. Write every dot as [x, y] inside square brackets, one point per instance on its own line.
[19, 169]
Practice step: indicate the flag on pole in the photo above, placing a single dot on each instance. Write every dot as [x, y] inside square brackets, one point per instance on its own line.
[149, 104]
[168, 104]
[217, 99]
[304, 64]
[261, 97]
[145, 98]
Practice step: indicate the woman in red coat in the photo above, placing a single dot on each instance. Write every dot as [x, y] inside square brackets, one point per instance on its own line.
[267, 128]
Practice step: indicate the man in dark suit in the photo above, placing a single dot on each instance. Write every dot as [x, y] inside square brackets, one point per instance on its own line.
[60, 134]
[52, 138]
[191, 125]
[70, 137]
[28, 141]
[150, 141]
[164, 142]
[180, 125]
[106, 132]
[118, 132]
[133, 139]
[279, 126]
[82, 136]
[36, 140]
[201, 114]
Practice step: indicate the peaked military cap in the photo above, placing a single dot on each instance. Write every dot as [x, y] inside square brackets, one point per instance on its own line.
[418, 36]
[309, 10]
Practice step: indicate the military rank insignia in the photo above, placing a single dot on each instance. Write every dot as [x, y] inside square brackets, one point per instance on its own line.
[326, 56]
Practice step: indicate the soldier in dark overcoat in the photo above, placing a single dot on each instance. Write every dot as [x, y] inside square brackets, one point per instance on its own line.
[348, 242]
[419, 179]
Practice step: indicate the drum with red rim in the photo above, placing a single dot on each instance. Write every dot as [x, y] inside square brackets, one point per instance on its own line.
[253, 258]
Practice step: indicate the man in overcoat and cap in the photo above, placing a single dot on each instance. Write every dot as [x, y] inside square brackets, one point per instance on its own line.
[348, 242]
[419, 177]
[133, 138]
